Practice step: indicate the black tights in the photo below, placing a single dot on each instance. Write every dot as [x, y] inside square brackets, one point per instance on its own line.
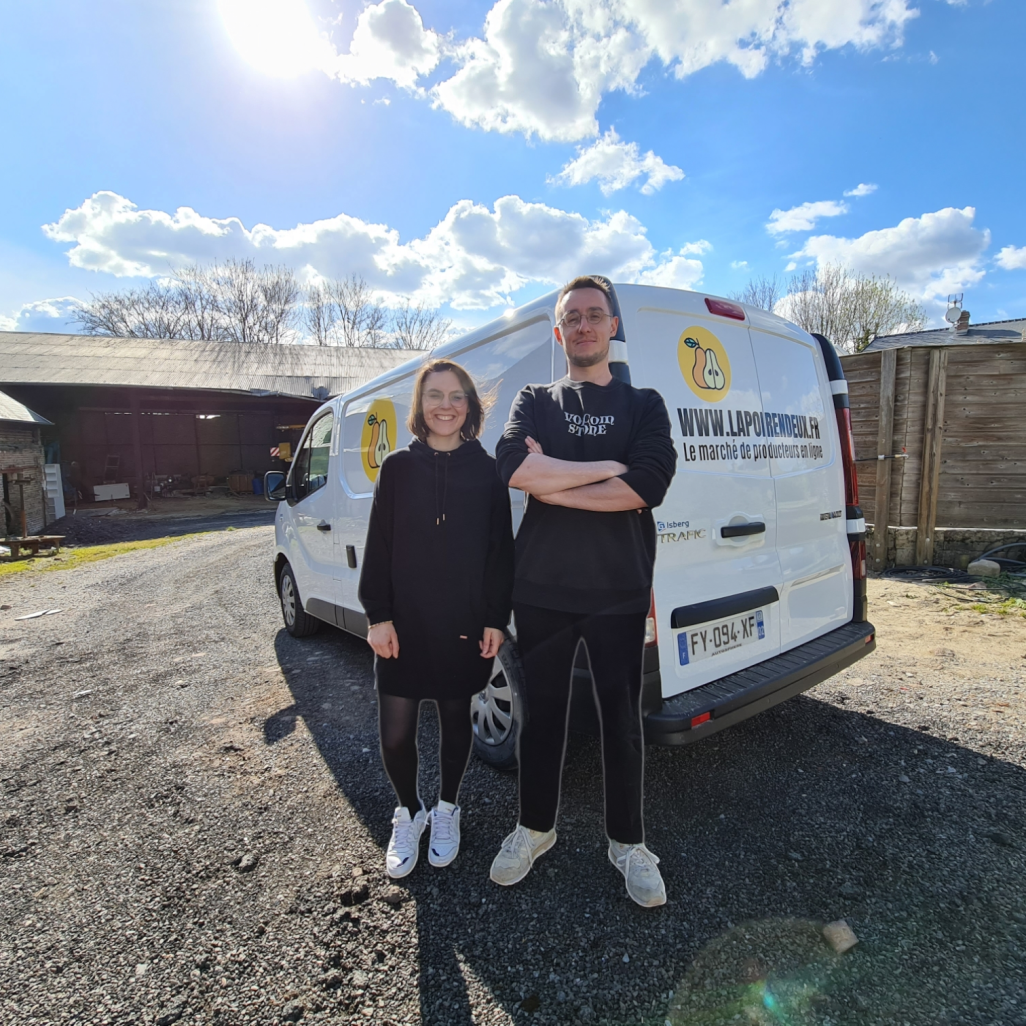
[397, 722]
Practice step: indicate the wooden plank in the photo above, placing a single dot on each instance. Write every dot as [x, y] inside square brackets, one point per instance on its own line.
[908, 431]
[933, 439]
[884, 447]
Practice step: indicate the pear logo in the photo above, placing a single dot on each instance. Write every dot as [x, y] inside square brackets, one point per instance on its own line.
[704, 364]
[378, 447]
[378, 436]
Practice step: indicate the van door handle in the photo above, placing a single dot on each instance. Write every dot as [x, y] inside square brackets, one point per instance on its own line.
[324, 526]
[740, 530]
[351, 556]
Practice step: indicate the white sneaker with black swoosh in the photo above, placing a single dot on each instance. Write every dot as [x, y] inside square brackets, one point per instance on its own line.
[404, 847]
[445, 834]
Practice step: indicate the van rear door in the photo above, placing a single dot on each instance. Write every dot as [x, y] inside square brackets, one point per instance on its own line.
[800, 443]
[717, 575]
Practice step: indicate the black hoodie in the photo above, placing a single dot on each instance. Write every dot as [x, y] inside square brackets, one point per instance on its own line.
[438, 564]
[577, 560]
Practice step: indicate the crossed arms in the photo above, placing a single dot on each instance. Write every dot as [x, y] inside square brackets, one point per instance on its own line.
[595, 485]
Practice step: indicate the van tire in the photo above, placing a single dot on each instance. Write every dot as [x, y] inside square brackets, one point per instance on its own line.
[298, 622]
[498, 712]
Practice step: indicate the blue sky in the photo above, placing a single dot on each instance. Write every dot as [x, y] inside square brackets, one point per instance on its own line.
[470, 156]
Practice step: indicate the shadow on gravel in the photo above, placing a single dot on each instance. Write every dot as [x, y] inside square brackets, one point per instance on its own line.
[806, 814]
[86, 530]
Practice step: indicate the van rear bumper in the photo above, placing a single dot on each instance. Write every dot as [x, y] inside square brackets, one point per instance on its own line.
[734, 698]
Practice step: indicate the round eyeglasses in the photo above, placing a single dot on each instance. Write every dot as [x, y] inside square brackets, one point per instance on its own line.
[572, 320]
[435, 398]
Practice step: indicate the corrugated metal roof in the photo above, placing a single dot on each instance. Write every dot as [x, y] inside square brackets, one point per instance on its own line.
[988, 333]
[314, 372]
[11, 409]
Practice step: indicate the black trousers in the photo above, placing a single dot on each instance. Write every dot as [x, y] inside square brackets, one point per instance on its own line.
[548, 641]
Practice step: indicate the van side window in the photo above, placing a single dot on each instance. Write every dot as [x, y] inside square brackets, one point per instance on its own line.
[310, 470]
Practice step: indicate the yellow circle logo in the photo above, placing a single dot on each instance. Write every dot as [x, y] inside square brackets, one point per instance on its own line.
[380, 430]
[704, 364]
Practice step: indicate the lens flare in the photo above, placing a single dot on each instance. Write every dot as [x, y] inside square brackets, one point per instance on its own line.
[773, 972]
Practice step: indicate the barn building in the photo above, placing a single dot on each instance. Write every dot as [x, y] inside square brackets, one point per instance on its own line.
[159, 414]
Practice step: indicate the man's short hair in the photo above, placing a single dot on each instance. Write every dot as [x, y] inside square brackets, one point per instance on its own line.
[586, 281]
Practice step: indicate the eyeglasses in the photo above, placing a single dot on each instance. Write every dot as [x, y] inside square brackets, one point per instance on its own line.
[436, 398]
[573, 319]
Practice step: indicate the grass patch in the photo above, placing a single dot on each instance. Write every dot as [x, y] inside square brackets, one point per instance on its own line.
[68, 559]
[1009, 606]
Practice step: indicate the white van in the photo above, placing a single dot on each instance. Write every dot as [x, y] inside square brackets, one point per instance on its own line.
[759, 589]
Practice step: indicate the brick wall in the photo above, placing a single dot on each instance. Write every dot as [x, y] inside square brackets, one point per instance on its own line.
[21, 462]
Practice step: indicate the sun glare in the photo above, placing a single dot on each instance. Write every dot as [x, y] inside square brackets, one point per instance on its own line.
[276, 36]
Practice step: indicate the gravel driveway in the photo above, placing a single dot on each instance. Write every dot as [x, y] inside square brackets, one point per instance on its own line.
[193, 819]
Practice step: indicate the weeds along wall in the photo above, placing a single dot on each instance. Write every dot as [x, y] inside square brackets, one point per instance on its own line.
[949, 422]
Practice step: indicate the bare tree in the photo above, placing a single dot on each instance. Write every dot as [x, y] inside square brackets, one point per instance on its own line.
[344, 312]
[760, 292]
[233, 301]
[414, 327]
[850, 308]
[225, 302]
[155, 311]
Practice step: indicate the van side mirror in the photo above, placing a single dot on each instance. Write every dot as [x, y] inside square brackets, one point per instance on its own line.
[274, 486]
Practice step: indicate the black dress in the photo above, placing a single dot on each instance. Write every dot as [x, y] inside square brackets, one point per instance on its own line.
[439, 564]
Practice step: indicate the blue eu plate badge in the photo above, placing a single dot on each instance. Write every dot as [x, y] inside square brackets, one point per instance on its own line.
[682, 647]
[760, 626]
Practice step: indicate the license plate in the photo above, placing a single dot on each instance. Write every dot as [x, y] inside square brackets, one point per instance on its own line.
[705, 640]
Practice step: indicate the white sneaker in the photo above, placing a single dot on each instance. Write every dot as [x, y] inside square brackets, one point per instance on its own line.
[404, 847]
[517, 854]
[638, 865]
[445, 834]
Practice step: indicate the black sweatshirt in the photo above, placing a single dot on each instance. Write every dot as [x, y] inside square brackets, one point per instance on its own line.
[582, 561]
[439, 564]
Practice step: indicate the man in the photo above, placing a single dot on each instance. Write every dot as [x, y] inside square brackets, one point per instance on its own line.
[594, 455]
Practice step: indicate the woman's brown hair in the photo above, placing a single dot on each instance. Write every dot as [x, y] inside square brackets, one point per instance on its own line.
[477, 405]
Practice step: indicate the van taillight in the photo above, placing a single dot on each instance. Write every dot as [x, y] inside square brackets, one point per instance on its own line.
[724, 308]
[853, 514]
[851, 480]
[651, 633]
[855, 522]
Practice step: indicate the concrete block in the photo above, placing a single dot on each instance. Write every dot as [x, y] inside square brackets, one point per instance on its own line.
[984, 568]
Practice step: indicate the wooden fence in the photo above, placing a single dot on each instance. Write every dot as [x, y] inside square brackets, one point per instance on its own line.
[954, 419]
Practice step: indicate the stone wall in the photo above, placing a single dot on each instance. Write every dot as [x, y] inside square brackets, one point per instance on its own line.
[21, 463]
[953, 546]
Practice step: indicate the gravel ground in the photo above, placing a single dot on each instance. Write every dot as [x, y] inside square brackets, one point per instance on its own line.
[193, 819]
[84, 528]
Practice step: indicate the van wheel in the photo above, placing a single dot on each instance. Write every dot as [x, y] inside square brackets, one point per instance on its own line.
[298, 622]
[498, 712]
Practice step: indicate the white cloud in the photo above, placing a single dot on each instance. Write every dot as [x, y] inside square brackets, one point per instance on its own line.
[674, 272]
[738, 265]
[803, 218]
[616, 164]
[541, 67]
[863, 189]
[390, 41]
[43, 315]
[474, 258]
[1012, 259]
[526, 75]
[931, 256]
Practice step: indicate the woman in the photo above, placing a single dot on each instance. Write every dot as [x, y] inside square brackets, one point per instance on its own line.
[436, 582]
